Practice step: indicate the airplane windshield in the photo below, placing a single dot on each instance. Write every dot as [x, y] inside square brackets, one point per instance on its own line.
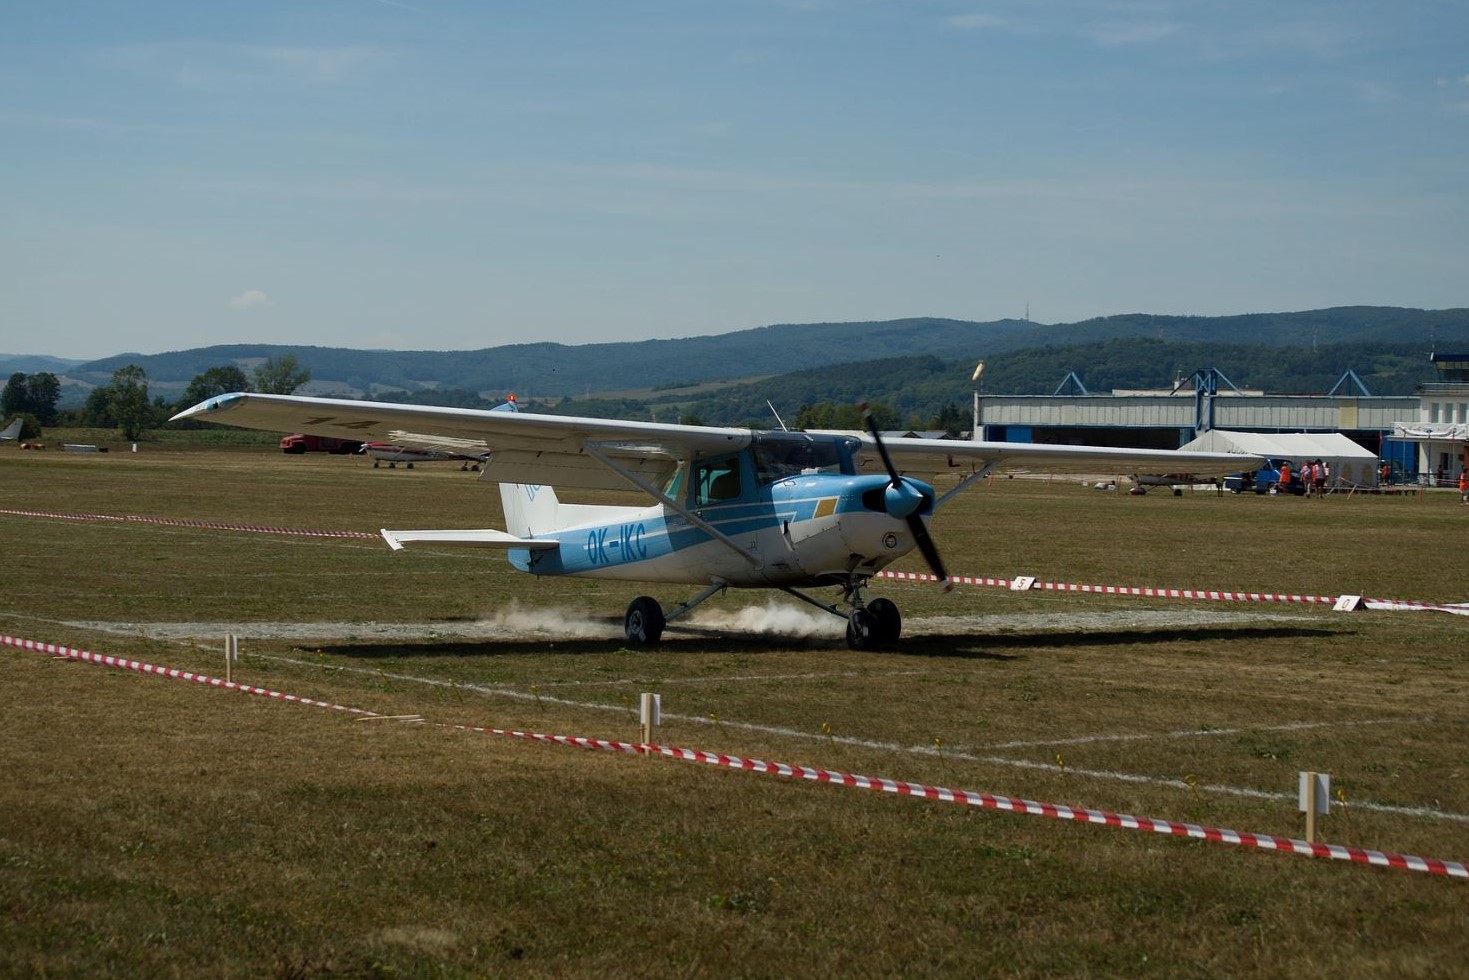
[779, 455]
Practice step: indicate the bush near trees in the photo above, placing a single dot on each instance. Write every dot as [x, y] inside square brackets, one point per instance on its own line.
[29, 427]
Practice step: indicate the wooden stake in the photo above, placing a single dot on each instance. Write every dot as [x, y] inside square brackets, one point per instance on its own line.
[651, 709]
[1310, 808]
[1315, 798]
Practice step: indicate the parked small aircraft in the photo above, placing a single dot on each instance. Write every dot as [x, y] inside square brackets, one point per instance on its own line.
[383, 452]
[731, 508]
[12, 431]
[1176, 482]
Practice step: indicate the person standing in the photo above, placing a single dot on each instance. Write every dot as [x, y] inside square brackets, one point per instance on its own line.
[1464, 486]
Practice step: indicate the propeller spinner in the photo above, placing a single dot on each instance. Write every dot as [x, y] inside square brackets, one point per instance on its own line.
[903, 501]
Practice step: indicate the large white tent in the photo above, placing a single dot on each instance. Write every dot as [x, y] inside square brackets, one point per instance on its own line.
[1348, 463]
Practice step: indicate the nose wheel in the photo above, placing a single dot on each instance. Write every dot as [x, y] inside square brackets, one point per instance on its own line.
[878, 624]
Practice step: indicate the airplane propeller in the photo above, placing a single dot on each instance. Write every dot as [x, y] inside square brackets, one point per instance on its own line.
[903, 501]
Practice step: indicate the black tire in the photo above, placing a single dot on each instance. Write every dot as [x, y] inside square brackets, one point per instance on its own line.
[887, 621]
[861, 630]
[644, 622]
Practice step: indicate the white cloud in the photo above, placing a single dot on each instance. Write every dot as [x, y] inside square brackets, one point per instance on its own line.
[316, 64]
[199, 65]
[1119, 35]
[250, 299]
[974, 22]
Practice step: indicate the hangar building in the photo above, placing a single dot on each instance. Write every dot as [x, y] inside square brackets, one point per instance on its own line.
[1423, 435]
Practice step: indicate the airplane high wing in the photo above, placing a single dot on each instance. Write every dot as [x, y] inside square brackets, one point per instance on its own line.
[730, 507]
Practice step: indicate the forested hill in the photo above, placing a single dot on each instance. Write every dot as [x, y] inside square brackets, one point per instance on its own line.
[555, 370]
[921, 389]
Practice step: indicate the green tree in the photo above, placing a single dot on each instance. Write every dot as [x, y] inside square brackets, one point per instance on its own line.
[97, 411]
[43, 391]
[215, 381]
[16, 397]
[128, 399]
[952, 420]
[280, 376]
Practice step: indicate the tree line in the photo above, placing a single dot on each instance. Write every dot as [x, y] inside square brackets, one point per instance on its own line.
[123, 403]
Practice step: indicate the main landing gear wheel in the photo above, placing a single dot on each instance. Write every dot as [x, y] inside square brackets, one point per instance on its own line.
[644, 622]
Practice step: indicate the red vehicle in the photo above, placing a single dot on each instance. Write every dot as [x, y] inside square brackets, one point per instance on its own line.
[297, 444]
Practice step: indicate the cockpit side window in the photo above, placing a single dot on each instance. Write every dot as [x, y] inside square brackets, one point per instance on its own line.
[716, 481]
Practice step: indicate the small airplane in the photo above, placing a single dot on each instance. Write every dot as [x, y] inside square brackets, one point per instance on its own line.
[383, 452]
[1172, 481]
[730, 507]
[12, 431]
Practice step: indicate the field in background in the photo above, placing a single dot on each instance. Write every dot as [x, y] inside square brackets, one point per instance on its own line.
[155, 827]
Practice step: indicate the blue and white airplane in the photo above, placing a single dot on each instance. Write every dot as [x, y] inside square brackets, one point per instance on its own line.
[730, 508]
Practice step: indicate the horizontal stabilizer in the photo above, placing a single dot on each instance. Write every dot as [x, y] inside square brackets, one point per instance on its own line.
[472, 538]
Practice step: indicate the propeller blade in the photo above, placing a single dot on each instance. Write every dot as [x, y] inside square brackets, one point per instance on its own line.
[929, 551]
[882, 450]
[919, 530]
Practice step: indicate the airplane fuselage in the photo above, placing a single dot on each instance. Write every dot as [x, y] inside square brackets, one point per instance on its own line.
[799, 531]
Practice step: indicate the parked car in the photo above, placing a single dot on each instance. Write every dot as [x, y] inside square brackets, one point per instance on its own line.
[1266, 478]
[297, 444]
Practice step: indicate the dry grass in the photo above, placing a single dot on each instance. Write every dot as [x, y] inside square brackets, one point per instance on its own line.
[154, 827]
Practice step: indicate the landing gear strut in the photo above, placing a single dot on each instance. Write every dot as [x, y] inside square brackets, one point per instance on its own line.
[870, 625]
[645, 619]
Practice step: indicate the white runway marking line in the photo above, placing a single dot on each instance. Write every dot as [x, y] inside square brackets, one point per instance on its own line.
[924, 750]
[1204, 733]
[848, 674]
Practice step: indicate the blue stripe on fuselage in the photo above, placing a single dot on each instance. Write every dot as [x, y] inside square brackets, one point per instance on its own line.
[589, 549]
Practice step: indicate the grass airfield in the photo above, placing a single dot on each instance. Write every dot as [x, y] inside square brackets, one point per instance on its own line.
[155, 827]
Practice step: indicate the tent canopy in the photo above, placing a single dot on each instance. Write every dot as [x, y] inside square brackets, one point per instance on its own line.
[1345, 460]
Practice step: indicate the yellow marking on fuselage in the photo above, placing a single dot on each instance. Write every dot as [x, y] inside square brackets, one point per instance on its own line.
[825, 507]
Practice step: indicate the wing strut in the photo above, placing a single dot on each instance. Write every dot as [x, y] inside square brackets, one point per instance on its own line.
[596, 453]
[963, 484]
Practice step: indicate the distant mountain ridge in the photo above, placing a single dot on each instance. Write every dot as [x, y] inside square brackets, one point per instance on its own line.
[35, 364]
[549, 370]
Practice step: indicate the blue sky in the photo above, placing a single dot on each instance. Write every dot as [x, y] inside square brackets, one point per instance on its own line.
[446, 174]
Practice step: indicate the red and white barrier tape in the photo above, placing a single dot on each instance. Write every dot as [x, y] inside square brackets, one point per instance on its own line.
[1390, 605]
[1459, 609]
[179, 675]
[1055, 811]
[182, 522]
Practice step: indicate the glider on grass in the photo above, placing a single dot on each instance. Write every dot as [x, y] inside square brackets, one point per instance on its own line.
[730, 508]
